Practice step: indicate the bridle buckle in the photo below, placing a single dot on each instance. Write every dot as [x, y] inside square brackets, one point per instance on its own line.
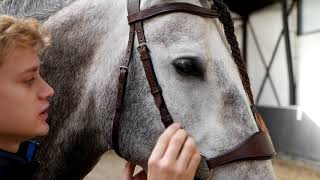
[143, 48]
[123, 67]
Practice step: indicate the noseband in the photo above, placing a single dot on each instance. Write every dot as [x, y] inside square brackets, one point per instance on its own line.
[257, 147]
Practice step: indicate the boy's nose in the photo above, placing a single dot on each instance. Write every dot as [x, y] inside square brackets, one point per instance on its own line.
[46, 90]
[50, 90]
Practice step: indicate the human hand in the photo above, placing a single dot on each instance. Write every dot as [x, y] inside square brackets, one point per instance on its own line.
[175, 156]
[127, 173]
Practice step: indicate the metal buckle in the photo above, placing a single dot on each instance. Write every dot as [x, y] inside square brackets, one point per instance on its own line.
[143, 45]
[123, 67]
[203, 156]
[155, 90]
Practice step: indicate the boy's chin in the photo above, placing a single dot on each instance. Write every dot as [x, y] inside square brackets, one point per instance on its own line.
[43, 131]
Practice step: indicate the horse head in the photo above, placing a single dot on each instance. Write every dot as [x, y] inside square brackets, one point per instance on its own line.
[194, 62]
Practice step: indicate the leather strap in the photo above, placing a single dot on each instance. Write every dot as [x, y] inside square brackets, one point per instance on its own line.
[257, 147]
[122, 83]
[259, 121]
[151, 77]
[170, 8]
[133, 6]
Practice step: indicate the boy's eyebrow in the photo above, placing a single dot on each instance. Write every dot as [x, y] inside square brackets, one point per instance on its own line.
[31, 69]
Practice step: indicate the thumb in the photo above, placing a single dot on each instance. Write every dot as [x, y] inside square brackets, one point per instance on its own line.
[128, 171]
[140, 176]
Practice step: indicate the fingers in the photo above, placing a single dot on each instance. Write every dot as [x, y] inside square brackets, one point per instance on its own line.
[175, 156]
[175, 145]
[187, 152]
[163, 142]
[194, 162]
[128, 171]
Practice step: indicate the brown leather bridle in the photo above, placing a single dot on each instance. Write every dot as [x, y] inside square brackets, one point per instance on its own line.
[257, 147]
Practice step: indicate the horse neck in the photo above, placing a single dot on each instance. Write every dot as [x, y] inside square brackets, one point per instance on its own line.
[82, 65]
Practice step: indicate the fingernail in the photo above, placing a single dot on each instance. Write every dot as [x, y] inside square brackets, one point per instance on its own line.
[180, 125]
[177, 124]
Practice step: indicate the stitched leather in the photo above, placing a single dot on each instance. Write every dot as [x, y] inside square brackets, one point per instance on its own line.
[121, 90]
[170, 8]
[257, 147]
[151, 77]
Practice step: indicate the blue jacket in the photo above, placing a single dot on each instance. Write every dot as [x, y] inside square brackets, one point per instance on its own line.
[20, 165]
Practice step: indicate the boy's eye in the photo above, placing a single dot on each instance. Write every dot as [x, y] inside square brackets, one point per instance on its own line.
[30, 81]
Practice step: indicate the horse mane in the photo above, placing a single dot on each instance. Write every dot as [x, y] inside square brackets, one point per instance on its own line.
[228, 26]
[35, 9]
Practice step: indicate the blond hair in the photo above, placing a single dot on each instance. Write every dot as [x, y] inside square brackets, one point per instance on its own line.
[26, 33]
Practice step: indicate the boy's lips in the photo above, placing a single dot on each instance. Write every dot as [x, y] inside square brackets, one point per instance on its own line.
[44, 116]
[44, 113]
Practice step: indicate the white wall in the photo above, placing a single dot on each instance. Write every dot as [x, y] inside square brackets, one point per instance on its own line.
[311, 11]
[309, 89]
[309, 61]
[267, 25]
[305, 51]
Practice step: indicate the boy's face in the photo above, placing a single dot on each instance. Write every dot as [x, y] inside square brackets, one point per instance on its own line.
[23, 96]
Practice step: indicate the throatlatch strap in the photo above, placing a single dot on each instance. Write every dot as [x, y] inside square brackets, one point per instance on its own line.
[122, 83]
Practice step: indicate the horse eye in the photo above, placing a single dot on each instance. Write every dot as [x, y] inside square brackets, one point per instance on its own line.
[188, 67]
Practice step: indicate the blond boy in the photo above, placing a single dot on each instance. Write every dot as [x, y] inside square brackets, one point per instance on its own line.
[23, 94]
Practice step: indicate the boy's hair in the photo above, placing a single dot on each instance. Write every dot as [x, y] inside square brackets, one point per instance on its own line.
[26, 33]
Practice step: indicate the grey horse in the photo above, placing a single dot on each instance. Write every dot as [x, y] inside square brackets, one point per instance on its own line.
[89, 40]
